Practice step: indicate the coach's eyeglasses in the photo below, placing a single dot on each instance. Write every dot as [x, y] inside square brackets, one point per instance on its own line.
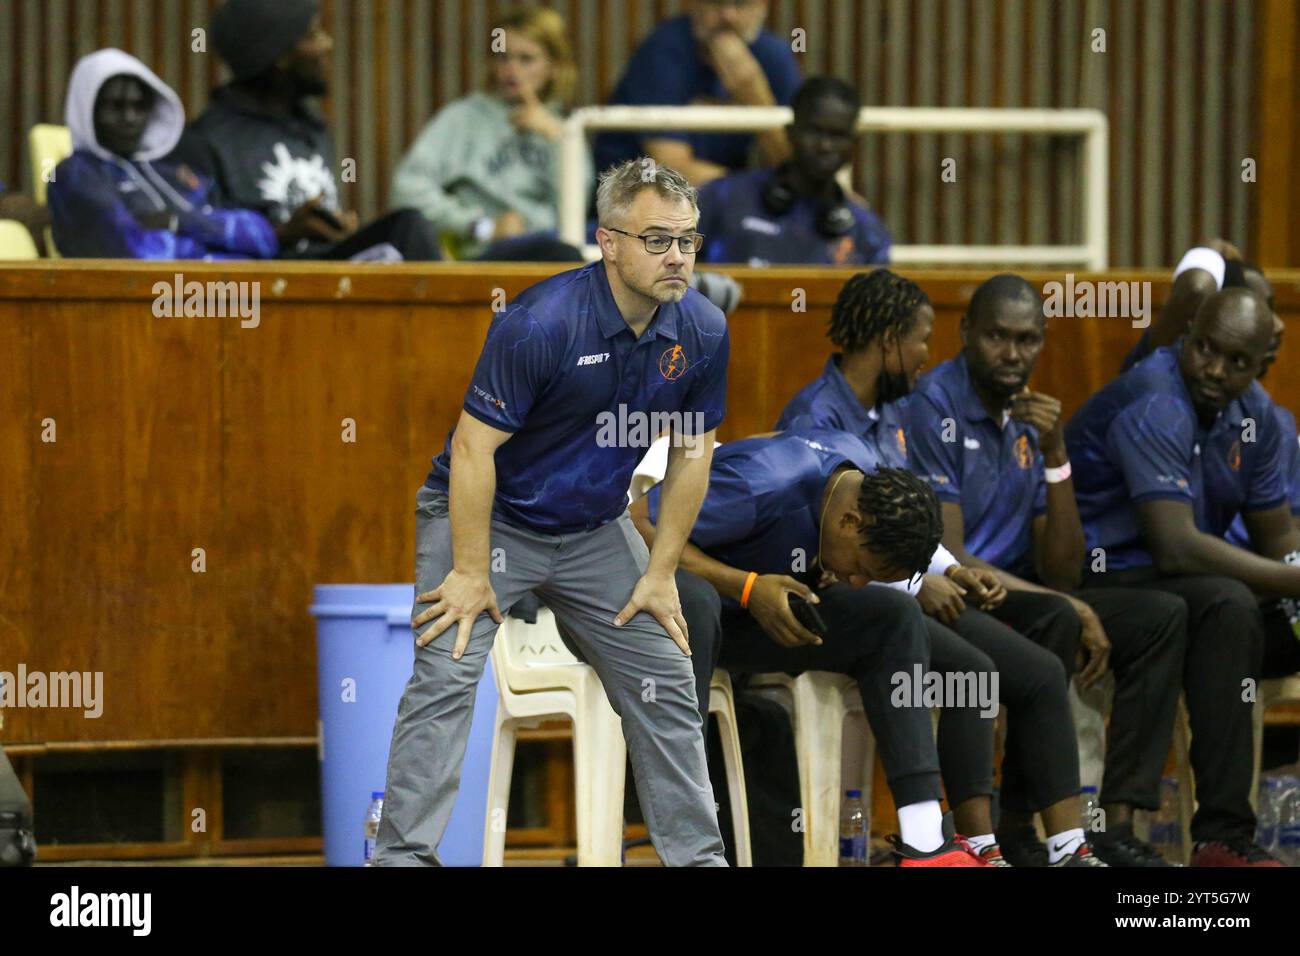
[657, 244]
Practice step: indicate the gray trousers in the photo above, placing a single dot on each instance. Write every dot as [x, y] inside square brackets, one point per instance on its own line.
[585, 578]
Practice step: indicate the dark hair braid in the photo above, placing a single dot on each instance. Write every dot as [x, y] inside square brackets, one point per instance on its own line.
[908, 521]
[872, 303]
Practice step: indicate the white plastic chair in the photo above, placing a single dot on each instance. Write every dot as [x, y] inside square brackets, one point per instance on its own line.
[722, 705]
[49, 145]
[16, 242]
[1273, 691]
[818, 702]
[538, 679]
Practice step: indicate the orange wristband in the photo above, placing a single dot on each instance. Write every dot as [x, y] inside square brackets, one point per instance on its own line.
[749, 586]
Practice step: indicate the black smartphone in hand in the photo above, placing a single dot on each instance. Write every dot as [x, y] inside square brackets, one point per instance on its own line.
[320, 212]
[807, 615]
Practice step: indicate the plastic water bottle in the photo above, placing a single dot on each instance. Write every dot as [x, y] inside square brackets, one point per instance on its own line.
[1088, 810]
[853, 831]
[372, 826]
[1166, 834]
[1270, 792]
[1288, 821]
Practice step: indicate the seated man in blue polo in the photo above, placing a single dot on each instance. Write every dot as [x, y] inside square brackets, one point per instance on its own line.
[797, 213]
[1167, 456]
[882, 324]
[718, 52]
[782, 511]
[993, 452]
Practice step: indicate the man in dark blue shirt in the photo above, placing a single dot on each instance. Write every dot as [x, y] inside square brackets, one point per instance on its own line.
[717, 53]
[1168, 455]
[992, 450]
[577, 376]
[780, 513]
[797, 213]
[882, 324]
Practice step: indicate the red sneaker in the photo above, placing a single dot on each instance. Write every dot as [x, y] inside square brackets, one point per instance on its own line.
[955, 852]
[991, 855]
[1240, 851]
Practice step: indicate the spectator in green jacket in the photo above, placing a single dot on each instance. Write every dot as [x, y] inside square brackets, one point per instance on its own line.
[484, 170]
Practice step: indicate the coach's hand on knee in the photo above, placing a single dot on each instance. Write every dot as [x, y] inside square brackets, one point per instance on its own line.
[769, 603]
[656, 594]
[460, 599]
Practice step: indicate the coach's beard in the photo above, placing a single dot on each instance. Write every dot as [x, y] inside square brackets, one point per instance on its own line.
[664, 292]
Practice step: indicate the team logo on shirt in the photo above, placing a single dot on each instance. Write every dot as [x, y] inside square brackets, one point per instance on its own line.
[1234, 456]
[1023, 456]
[672, 364]
[488, 397]
[902, 441]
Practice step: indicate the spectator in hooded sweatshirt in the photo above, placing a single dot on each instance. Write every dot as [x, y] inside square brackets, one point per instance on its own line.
[483, 171]
[266, 149]
[114, 197]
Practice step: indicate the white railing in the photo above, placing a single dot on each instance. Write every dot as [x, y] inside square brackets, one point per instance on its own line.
[1088, 124]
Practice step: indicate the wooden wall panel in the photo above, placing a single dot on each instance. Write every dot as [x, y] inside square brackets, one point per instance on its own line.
[183, 433]
[1177, 136]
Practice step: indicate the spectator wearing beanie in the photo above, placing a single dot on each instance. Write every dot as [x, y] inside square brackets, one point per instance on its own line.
[266, 149]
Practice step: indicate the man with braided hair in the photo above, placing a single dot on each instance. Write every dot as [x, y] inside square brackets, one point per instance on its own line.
[782, 515]
[881, 322]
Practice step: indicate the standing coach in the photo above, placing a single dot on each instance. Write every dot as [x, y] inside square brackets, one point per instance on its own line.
[537, 501]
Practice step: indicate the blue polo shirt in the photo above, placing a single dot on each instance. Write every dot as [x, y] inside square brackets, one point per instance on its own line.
[763, 508]
[1287, 435]
[993, 469]
[829, 402]
[1139, 439]
[739, 228]
[562, 371]
[668, 70]
[1140, 350]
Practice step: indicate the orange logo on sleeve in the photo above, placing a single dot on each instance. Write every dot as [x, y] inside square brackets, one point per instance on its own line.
[1023, 458]
[1234, 456]
[902, 440]
[672, 363]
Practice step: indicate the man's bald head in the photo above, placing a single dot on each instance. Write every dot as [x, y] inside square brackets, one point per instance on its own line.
[1238, 311]
[1000, 292]
[1230, 336]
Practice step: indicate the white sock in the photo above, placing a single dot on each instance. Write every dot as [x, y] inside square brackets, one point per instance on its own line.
[922, 825]
[1060, 845]
[978, 843]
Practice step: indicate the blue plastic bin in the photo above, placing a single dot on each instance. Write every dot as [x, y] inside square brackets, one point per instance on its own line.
[365, 650]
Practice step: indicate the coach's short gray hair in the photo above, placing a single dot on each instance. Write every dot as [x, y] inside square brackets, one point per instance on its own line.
[619, 186]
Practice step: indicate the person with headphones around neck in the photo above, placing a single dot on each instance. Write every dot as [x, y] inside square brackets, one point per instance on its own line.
[797, 212]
